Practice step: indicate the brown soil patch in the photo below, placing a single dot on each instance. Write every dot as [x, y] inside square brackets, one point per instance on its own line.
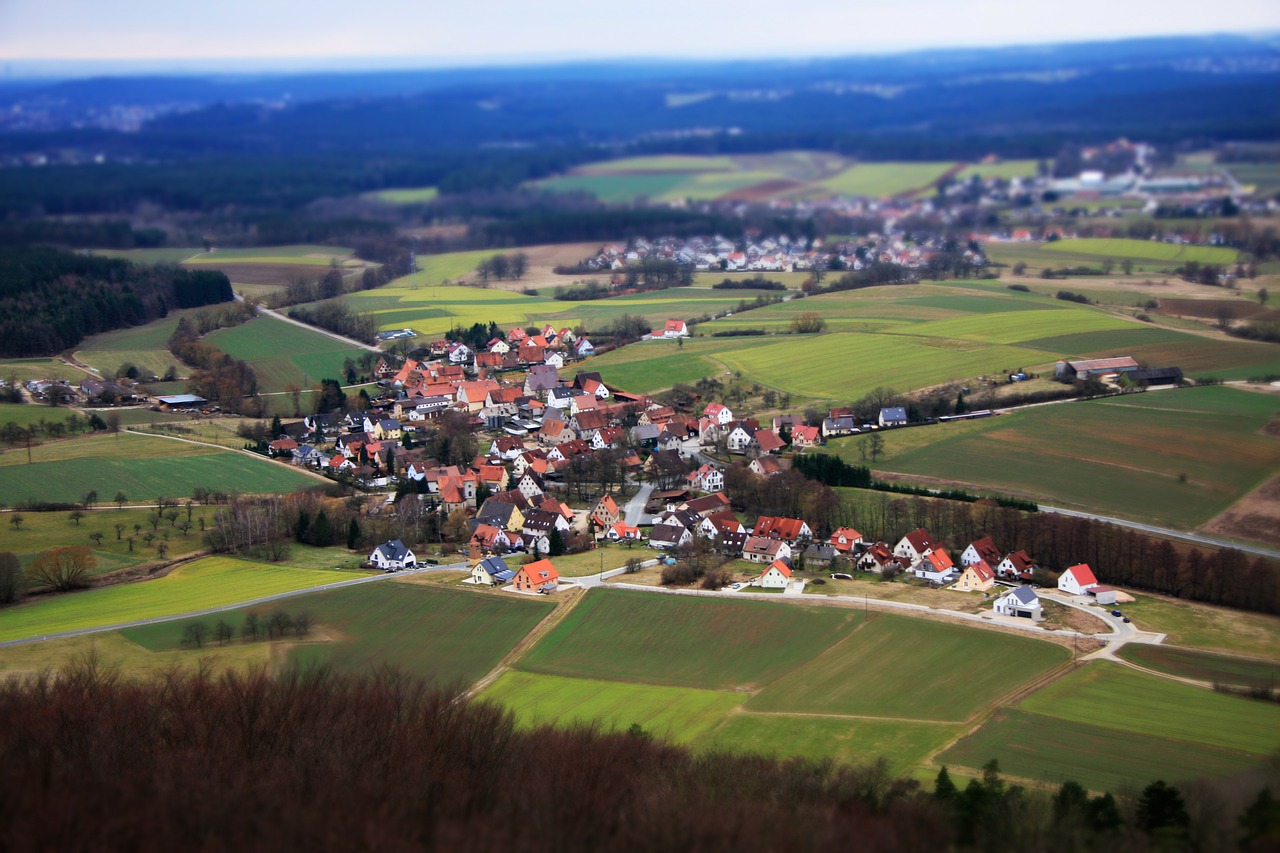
[1272, 428]
[1255, 517]
[764, 190]
[1211, 309]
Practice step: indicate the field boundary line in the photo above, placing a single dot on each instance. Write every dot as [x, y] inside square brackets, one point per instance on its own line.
[313, 474]
[544, 627]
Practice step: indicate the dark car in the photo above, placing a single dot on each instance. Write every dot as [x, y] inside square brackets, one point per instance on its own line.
[1127, 620]
[1116, 613]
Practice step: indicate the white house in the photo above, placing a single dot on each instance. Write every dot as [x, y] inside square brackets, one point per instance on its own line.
[982, 550]
[845, 539]
[718, 412]
[1021, 601]
[936, 566]
[1077, 580]
[758, 549]
[777, 576]
[740, 438]
[708, 478]
[675, 329]
[393, 555]
[893, 416]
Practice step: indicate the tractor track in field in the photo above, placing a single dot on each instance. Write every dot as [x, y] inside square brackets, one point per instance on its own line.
[554, 618]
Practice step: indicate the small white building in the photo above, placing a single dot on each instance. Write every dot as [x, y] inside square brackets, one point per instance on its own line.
[393, 556]
[1022, 602]
[777, 576]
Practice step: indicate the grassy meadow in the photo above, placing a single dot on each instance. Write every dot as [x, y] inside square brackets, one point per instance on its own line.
[1176, 458]
[1204, 666]
[684, 642]
[145, 345]
[307, 256]
[282, 354]
[143, 467]
[206, 583]
[899, 667]
[41, 531]
[449, 636]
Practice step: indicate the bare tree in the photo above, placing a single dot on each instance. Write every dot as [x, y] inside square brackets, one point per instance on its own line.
[62, 569]
[16, 521]
[96, 536]
[119, 530]
[75, 517]
[194, 634]
[223, 632]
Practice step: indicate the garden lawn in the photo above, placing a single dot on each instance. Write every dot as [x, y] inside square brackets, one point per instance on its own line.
[1034, 746]
[845, 740]
[1203, 666]
[911, 669]
[206, 583]
[451, 637]
[685, 641]
[1116, 697]
[143, 467]
[678, 714]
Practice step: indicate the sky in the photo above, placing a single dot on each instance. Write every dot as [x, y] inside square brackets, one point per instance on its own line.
[305, 34]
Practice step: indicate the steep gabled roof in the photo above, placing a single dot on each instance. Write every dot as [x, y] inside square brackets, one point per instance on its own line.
[1083, 574]
[782, 568]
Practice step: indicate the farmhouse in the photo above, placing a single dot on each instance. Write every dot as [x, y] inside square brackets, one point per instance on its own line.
[777, 576]
[392, 556]
[1094, 368]
[540, 576]
[675, 329]
[1077, 580]
[1021, 601]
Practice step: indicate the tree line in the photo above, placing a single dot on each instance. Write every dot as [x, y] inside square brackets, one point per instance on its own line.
[218, 376]
[324, 756]
[51, 300]
[337, 316]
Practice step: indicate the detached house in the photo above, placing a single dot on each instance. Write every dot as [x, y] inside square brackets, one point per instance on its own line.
[806, 436]
[845, 539]
[913, 547]
[787, 529]
[718, 412]
[1016, 566]
[606, 512]
[1021, 601]
[976, 577]
[492, 571]
[1077, 580]
[893, 416]
[708, 478]
[758, 549]
[675, 329]
[539, 576]
[777, 576]
[393, 556]
[936, 566]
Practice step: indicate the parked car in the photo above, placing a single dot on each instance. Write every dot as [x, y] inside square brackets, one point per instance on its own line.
[1116, 613]
[736, 586]
[1127, 620]
[841, 576]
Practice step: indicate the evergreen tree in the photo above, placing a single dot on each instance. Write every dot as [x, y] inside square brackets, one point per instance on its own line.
[1160, 808]
[277, 428]
[302, 526]
[353, 534]
[555, 543]
[944, 789]
[321, 534]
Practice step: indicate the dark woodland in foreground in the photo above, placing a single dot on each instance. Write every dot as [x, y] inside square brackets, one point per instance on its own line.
[316, 760]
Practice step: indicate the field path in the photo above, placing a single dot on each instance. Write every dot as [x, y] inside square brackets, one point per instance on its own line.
[554, 618]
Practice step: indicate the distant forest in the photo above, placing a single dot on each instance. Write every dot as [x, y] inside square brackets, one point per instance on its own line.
[51, 300]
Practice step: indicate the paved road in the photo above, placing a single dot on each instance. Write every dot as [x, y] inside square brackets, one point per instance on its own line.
[251, 603]
[634, 510]
[1162, 531]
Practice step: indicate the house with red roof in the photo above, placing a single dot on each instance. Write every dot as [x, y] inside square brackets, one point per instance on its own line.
[982, 550]
[787, 529]
[976, 577]
[1016, 566]
[936, 566]
[675, 329]
[1077, 580]
[718, 412]
[765, 466]
[622, 532]
[707, 478]
[877, 558]
[844, 539]
[606, 512]
[806, 436]
[777, 576]
[539, 576]
[915, 546]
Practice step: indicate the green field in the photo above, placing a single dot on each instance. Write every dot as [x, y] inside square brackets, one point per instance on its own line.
[910, 669]
[143, 467]
[449, 636]
[420, 302]
[1052, 750]
[887, 179]
[282, 354]
[31, 414]
[319, 256]
[206, 583]
[145, 345]
[41, 531]
[679, 714]
[408, 195]
[1263, 177]
[854, 741]
[1119, 249]
[152, 256]
[1204, 666]
[26, 369]
[685, 642]
[1004, 169]
[1122, 456]
[1202, 626]
[1116, 697]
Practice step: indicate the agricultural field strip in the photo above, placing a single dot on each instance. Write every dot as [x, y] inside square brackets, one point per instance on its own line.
[1118, 249]
[1203, 667]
